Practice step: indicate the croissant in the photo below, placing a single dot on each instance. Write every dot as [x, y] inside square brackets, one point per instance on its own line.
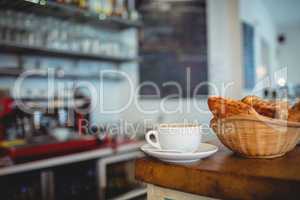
[296, 106]
[294, 113]
[271, 109]
[223, 107]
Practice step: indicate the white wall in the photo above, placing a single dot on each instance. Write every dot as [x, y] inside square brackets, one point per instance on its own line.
[225, 47]
[289, 52]
[255, 13]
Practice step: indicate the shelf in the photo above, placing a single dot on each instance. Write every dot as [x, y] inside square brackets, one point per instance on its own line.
[46, 99]
[55, 104]
[50, 102]
[73, 13]
[15, 72]
[132, 194]
[29, 50]
[102, 151]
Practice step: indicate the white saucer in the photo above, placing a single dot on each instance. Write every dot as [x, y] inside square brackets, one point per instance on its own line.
[204, 151]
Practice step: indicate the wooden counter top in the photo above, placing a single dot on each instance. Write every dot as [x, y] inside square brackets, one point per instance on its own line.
[227, 176]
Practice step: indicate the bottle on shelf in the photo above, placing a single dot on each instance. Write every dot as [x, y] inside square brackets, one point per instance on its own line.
[82, 4]
[119, 8]
[107, 7]
[95, 6]
[132, 12]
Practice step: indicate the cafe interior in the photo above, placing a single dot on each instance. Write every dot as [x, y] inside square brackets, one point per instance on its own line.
[80, 134]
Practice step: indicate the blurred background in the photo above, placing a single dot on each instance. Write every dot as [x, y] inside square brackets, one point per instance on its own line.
[81, 81]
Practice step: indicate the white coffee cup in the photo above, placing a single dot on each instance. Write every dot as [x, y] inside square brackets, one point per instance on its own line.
[176, 137]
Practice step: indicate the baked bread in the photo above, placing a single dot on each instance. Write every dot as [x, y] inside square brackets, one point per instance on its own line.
[294, 113]
[273, 109]
[296, 106]
[251, 100]
[224, 107]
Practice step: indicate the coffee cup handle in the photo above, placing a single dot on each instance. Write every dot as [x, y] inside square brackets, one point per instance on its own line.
[150, 141]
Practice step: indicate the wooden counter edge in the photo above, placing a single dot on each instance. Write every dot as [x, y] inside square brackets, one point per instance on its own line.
[214, 184]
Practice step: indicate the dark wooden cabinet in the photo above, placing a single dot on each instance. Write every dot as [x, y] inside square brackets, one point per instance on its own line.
[25, 186]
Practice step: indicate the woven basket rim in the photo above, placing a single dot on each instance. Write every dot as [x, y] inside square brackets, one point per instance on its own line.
[260, 118]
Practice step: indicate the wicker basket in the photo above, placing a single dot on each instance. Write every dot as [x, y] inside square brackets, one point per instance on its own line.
[257, 136]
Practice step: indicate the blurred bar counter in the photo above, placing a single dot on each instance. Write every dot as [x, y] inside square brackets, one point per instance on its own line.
[69, 173]
[54, 154]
